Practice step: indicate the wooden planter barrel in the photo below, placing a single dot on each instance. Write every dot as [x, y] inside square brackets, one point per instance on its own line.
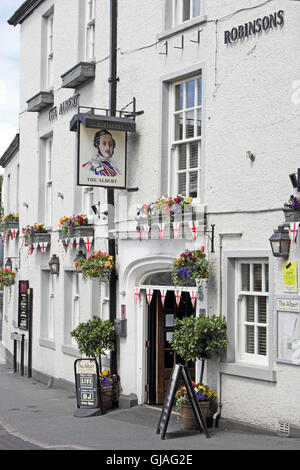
[188, 415]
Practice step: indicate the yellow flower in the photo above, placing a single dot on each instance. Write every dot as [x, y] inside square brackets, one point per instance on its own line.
[190, 199]
[107, 263]
[105, 372]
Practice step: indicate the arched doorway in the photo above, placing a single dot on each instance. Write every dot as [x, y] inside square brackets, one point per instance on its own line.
[161, 318]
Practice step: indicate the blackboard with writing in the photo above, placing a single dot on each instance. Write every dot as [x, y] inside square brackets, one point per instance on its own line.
[179, 370]
[87, 387]
[23, 313]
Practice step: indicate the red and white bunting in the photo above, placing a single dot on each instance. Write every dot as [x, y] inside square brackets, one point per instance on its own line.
[146, 228]
[139, 231]
[149, 294]
[88, 242]
[193, 297]
[194, 227]
[294, 231]
[163, 294]
[43, 246]
[3, 237]
[65, 244]
[77, 240]
[32, 247]
[176, 226]
[161, 227]
[71, 243]
[178, 297]
[137, 294]
[14, 233]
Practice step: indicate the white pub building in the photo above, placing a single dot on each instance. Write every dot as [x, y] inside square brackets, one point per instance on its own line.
[207, 107]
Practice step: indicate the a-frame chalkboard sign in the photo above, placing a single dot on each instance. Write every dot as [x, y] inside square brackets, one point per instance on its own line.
[179, 370]
[88, 391]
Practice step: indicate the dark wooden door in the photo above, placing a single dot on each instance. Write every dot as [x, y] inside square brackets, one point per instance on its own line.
[166, 357]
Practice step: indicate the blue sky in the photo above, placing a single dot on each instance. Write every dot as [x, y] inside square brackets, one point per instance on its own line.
[9, 74]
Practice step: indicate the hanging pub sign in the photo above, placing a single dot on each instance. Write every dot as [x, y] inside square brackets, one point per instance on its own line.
[24, 305]
[87, 388]
[102, 157]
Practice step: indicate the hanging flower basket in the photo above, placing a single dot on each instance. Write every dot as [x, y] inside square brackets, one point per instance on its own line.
[190, 267]
[35, 233]
[7, 279]
[98, 266]
[9, 222]
[74, 226]
[291, 209]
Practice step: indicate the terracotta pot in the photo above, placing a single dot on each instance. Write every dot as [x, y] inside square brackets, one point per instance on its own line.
[188, 416]
[106, 397]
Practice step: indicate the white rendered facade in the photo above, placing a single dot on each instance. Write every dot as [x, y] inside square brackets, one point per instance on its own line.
[248, 102]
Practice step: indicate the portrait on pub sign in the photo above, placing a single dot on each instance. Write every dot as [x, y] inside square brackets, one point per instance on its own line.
[102, 158]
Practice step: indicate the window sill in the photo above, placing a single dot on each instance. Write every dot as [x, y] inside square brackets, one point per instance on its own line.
[47, 343]
[251, 372]
[182, 27]
[71, 351]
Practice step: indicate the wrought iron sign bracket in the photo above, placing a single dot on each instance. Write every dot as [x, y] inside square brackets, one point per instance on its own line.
[182, 43]
[211, 235]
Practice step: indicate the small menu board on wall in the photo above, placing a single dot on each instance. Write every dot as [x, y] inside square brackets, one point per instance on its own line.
[289, 275]
[288, 329]
[23, 311]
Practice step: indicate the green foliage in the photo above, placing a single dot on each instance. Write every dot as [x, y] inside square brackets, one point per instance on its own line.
[95, 337]
[199, 338]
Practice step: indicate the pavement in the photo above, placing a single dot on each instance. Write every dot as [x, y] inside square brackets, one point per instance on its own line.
[43, 417]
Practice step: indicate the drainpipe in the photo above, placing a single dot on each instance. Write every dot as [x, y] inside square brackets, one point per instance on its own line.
[110, 192]
[217, 415]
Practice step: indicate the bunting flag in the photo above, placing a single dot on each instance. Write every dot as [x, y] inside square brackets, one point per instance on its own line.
[193, 297]
[77, 240]
[146, 230]
[149, 294]
[71, 244]
[43, 246]
[88, 242]
[294, 231]
[137, 294]
[178, 297]
[194, 227]
[161, 230]
[3, 237]
[65, 245]
[176, 226]
[32, 247]
[163, 294]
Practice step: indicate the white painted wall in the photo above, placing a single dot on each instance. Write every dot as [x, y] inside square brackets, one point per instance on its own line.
[249, 104]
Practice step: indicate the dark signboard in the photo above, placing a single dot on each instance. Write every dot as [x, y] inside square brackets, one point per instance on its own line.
[24, 305]
[87, 387]
[179, 370]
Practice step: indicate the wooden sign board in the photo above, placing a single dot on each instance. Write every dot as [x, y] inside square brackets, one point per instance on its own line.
[179, 371]
[23, 313]
[87, 388]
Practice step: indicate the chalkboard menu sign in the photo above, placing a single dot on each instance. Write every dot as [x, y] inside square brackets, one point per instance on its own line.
[23, 311]
[87, 388]
[179, 370]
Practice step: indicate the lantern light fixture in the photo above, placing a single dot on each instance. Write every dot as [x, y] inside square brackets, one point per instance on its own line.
[280, 242]
[8, 264]
[54, 265]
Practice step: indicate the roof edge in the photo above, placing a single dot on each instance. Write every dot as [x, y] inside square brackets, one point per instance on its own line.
[25, 10]
[10, 151]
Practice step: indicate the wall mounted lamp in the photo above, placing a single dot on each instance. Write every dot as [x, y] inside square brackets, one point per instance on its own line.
[295, 179]
[54, 265]
[280, 242]
[9, 264]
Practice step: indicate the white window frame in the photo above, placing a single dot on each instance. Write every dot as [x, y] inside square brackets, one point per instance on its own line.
[178, 10]
[87, 201]
[48, 181]
[174, 171]
[49, 53]
[90, 29]
[241, 320]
